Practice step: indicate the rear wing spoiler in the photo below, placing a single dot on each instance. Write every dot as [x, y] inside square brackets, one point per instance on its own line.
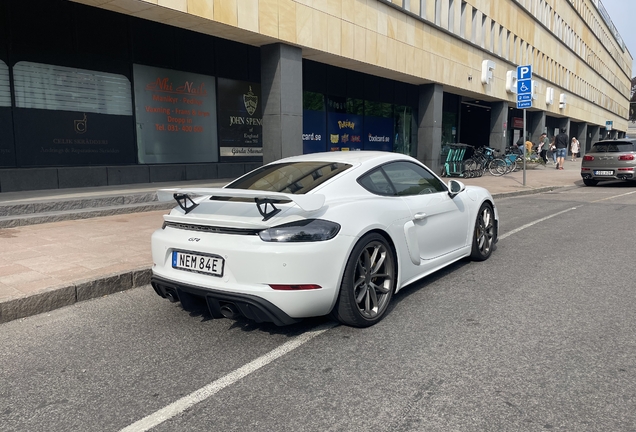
[183, 197]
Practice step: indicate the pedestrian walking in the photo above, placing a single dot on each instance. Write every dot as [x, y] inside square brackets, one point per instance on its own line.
[561, 144]
[574, 148]
[519, 145]
[544, 147]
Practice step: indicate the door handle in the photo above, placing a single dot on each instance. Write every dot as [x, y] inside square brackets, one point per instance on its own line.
[419, 216]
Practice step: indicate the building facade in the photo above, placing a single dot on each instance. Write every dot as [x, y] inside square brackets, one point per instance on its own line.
[106, 92]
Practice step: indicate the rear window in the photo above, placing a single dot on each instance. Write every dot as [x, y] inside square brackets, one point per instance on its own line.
[293, 178]
[613, 147]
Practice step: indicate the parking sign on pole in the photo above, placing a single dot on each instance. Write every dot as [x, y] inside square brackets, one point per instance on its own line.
[524, 100]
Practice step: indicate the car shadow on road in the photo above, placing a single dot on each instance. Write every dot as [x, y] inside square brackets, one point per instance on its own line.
[426, 283]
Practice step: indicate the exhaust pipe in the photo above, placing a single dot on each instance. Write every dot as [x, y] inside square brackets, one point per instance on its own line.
[172, 296]
[228, 310]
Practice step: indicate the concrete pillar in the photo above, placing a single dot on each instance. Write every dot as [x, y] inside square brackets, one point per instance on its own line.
[536, 124]
[594, 133]
[498, 118]
[429, 125]
[282, 94]
[581, 134]
[564, 123]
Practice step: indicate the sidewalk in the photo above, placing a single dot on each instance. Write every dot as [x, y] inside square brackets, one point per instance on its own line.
[51, 265]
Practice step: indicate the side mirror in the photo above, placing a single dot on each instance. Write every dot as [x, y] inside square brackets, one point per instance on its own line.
[455, 187]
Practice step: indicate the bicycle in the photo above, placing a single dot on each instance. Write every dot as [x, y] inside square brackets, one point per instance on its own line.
[476, 165]
[501, 165]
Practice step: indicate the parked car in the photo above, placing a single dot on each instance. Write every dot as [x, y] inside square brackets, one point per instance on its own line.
[329, 233]
[609, 160]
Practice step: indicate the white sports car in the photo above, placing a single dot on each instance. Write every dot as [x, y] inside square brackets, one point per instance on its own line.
[316, 234]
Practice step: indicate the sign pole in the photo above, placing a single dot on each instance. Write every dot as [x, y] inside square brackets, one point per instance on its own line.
[524, 147]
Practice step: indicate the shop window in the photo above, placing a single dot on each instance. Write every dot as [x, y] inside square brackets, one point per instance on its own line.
[60, 88]
[314, 123]
[405, 131]
[5, 92]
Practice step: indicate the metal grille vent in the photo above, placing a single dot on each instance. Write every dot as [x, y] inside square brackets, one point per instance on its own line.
[213, 229]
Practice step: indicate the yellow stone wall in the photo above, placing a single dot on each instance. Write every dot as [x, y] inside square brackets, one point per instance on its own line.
[445, 43]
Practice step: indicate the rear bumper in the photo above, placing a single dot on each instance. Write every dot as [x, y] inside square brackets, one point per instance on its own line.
[618, 174]
[217, 302]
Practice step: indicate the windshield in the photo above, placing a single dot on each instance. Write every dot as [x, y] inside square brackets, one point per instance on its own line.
[612, 147]
[292, 177]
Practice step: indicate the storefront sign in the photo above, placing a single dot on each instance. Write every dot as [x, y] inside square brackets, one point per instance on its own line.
[314, 131]
[378, 133]
[344, 132]
[517, 122]
[176, 116]
[62, 138]
[65, 116]
[240, 120]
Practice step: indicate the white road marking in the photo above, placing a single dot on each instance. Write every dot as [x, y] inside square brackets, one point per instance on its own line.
[521, 228]
[615, 196]
[214, 387]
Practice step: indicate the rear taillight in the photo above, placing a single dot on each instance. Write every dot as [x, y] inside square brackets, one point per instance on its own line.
[294, 287]
[626, 157]
[588, 158]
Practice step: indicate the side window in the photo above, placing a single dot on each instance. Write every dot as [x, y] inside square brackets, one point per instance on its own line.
[376, 182]
[411, 179]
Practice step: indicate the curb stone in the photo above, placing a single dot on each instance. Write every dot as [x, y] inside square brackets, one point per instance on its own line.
[59, 296]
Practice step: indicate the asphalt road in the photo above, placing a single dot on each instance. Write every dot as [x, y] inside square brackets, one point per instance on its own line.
[542, 336]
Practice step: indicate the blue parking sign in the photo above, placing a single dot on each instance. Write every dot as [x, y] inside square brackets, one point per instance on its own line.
[524, 86]
[524, 72]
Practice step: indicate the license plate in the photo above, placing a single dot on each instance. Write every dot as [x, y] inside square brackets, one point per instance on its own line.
[603, 172]
[207, 264]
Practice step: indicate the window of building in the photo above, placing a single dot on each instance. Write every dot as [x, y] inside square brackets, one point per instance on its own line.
[438, 12]
[61, 88]
[462, 23]
[473, 30]
[5, 91]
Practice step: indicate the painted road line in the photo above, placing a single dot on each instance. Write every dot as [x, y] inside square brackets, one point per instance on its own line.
[521, 228]
[214, 387]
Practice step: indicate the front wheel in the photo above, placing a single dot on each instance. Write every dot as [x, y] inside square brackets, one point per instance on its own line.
[484, 233]
[368, 283]
[497, 167]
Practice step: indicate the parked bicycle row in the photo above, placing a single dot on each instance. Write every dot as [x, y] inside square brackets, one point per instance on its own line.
[484, 159]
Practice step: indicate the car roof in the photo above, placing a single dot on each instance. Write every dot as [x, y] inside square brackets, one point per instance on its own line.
[362, 157]
[617, 140]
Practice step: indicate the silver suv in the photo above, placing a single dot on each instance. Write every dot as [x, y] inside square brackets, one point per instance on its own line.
[610, 160]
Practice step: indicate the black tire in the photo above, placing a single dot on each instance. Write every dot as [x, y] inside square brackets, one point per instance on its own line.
[364, 296]
[590, 182]
[497, 167]
[484, 234]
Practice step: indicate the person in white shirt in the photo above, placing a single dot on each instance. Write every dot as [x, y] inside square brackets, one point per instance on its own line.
[574, 148]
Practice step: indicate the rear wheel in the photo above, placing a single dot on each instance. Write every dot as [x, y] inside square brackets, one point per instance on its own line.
[368, 283]
[590, 182]
[484, 233]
